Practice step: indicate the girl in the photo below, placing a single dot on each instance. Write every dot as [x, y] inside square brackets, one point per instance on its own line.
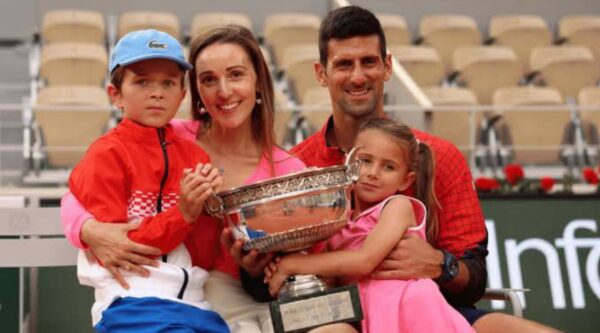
[391, 160]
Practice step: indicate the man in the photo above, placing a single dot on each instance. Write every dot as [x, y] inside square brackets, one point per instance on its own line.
[354, 67]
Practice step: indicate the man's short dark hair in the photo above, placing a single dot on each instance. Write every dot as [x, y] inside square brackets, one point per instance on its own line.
[348, 22]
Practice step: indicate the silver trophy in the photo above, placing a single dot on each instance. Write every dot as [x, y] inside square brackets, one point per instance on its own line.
[289, 214]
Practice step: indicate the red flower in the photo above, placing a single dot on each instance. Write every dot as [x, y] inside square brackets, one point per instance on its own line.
[486, 184]
[514, 173]
[546, 184]
[590, 176]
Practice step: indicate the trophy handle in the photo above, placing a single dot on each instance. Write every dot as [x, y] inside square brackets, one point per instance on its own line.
[352, 164]
[214, 206]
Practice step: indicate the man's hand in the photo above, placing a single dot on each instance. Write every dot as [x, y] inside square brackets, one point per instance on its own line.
[112, 247]
[413, 258]
[252, 262]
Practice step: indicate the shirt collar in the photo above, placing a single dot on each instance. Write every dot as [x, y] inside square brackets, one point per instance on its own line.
[329, 151]
[137, 132]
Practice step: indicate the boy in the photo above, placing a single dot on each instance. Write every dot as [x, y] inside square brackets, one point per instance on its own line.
[133, 173]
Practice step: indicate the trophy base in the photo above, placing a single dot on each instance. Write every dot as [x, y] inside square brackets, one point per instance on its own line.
[305, 312]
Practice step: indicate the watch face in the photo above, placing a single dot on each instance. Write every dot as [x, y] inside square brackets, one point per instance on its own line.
[453, 267]
[450, 269]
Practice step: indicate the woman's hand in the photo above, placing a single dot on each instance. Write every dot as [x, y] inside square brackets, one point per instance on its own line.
[112, 247]
[252, 262]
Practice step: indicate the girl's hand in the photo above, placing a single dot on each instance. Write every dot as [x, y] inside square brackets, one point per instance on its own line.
[271, 269]
[278, 270]
[277, 278]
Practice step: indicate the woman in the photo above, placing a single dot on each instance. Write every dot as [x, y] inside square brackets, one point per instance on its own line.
[233, 111]
[232, 93]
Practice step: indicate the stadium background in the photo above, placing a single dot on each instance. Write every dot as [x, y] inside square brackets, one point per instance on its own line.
[537, 226]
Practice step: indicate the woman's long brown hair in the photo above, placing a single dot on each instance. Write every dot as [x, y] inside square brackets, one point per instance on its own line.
[263, 114]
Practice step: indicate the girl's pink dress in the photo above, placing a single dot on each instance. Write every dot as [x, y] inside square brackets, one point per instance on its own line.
[395, 306]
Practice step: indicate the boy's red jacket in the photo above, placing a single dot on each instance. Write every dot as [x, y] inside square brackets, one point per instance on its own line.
[122, 177]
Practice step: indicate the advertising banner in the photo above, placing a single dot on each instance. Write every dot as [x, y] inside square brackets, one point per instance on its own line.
[552, 247]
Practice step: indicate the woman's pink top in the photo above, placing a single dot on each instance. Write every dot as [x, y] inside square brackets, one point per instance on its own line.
[73, 214]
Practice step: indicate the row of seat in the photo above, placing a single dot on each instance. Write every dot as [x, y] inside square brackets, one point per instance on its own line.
[87, 110]
[76, 25]
[486, 68]
[533, 119]
[456, 114]
[81, 32]
[521, 33]
[72, 72]
[483, 69]
[73, 64]
[82, 26]
[443, 37]
[443, 32]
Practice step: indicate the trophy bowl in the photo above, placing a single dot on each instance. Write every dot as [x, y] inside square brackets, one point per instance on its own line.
[291, 212]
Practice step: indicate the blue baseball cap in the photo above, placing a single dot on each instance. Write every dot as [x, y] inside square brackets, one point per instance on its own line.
[142, 45]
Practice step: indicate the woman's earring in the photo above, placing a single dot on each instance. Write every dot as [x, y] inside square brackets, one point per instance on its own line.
[201, 109]
[259, 101]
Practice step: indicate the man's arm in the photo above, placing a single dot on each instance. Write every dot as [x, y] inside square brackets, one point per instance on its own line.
[461, 224]
[469, 293]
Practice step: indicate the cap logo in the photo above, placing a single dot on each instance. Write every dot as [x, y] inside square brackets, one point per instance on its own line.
[156, 45]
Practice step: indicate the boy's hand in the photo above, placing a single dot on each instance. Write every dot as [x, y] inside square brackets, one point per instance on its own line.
[213, 176]
[195, 189]
[196, 186]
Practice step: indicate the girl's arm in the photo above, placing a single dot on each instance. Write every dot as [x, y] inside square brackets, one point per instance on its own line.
[395, 218]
